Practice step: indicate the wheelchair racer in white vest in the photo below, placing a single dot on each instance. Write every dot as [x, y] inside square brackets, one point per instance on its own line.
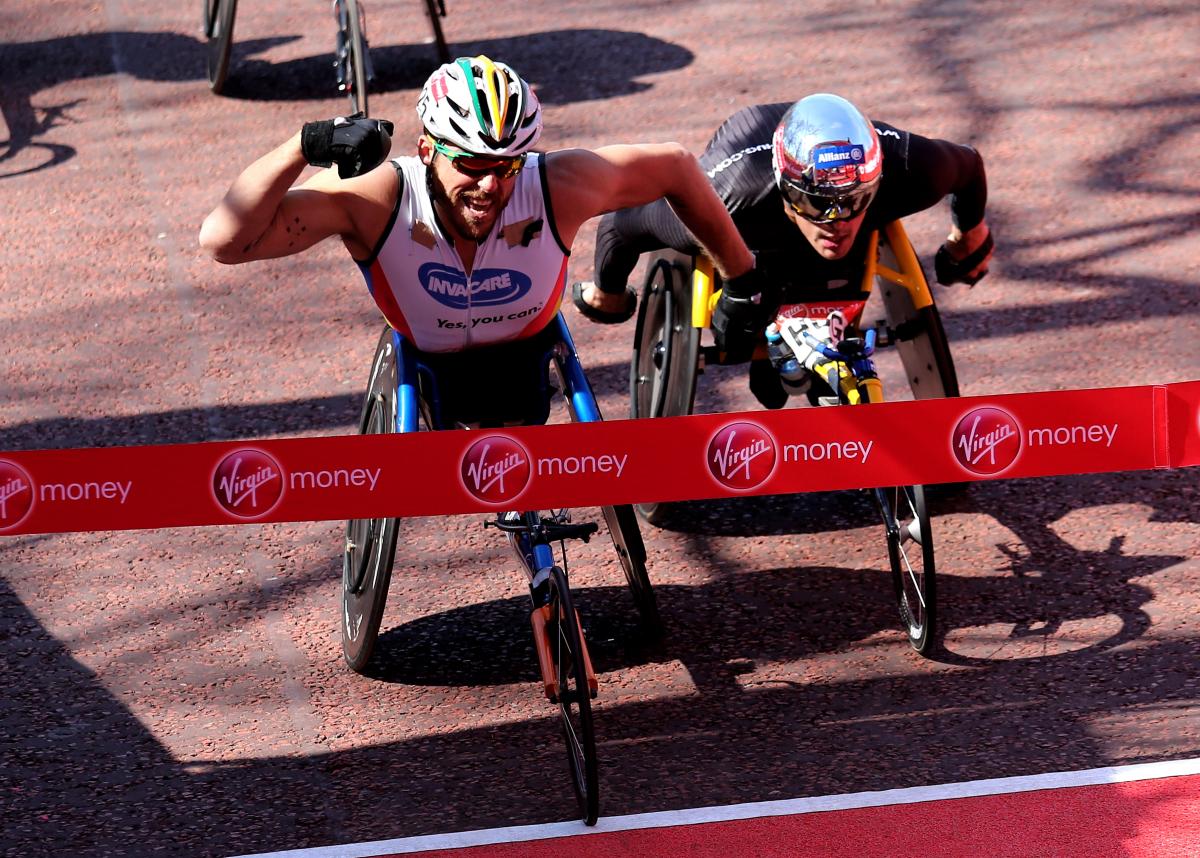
[464, 245]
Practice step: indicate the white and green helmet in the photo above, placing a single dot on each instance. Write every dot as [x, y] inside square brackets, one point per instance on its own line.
[482, 107]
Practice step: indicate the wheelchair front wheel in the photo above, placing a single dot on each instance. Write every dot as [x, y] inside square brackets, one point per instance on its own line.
[666, 353]
[370, 546]
[627, 539]
[911, 557]
[574, 696]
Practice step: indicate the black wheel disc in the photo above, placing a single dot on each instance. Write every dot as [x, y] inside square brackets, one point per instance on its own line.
[627, 540]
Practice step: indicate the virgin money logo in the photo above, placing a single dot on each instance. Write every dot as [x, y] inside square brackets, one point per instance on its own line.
[16, 495]
[741, 456]
[248, 483]
[986, 440]
[495, 469]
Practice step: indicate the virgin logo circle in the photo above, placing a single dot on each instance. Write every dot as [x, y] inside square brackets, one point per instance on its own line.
[741, 456]
[16, 495]
[248, 483]
[495, 469]
[986, 440]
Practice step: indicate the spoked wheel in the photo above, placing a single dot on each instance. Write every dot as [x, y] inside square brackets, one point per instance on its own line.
[627, 539]
[353, 55]
[436, 10]
[910, 553]
[218, 30]
[574, 696]
[666, 353]
[370, 547]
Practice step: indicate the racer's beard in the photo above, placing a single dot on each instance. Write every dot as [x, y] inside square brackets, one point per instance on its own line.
[464, 219]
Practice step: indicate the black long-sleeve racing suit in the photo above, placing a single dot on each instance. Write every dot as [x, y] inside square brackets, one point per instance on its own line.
[917, 173]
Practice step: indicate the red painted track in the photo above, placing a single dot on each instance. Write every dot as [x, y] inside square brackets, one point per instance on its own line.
[1145, 819]
[181, 691]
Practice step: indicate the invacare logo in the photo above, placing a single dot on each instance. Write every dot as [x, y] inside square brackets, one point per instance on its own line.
[495, 469]
[489, 286]
[741, 456]
[248, 483]
[16, 495]
[986, 440]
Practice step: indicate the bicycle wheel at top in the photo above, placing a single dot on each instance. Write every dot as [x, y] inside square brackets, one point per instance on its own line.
[574, 697]
[358, 62]
[911, 556]
[627, 540]
[218, 30]
[370, 547]
[666, 352]
[435, 9]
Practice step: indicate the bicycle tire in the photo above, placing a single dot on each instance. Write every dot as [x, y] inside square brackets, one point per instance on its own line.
[218, 30]
[574, 697]
[627, 540]
[914, 573]
[358, 59]
[370, 547]
[666, 353]
[439, 37]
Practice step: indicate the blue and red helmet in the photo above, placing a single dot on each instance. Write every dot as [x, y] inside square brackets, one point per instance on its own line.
[826, 158]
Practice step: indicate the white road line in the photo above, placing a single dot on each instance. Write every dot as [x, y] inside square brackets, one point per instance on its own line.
[785, 807]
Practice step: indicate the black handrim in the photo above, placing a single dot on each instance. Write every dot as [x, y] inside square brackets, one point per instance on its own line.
[218, 29]
[627, 540]
[574, 697]
[911, 556]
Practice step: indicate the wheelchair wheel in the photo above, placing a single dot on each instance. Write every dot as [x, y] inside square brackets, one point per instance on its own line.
[436, 9]
[353, 61]
[574, 696]
[218, 30]
[910, 554]
[627, 539]
[370, 547]
[923, 347]
[666, 351]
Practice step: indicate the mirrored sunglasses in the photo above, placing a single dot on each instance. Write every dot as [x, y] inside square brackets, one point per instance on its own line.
[826, 208]
[477, 166]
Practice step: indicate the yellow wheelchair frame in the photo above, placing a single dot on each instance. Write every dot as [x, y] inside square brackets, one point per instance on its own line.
[902, 270]
[676, 306]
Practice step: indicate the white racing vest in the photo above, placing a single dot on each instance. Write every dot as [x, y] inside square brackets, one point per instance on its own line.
[418, 280]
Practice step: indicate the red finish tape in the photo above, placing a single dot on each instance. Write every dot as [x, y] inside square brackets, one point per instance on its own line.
[593, 464]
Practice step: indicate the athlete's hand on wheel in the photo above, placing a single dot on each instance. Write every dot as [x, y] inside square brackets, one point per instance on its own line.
[356, 144]
[965, 255]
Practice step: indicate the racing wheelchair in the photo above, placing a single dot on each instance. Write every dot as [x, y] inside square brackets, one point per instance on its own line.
[678, 297]
[409, 390]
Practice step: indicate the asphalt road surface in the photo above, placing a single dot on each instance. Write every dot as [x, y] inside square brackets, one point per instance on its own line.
[182, 691]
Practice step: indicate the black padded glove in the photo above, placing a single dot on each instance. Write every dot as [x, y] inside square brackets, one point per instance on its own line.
[740, 316]
[356, 144]
[949, 270]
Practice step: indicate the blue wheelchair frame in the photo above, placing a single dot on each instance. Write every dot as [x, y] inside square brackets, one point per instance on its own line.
[581, 402]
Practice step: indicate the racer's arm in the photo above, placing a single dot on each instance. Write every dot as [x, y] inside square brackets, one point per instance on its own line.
[940, 168]
[584, 184]
[263, 217]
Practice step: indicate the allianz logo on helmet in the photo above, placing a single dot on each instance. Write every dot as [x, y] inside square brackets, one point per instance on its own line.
[833, 156]
[488, 287]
